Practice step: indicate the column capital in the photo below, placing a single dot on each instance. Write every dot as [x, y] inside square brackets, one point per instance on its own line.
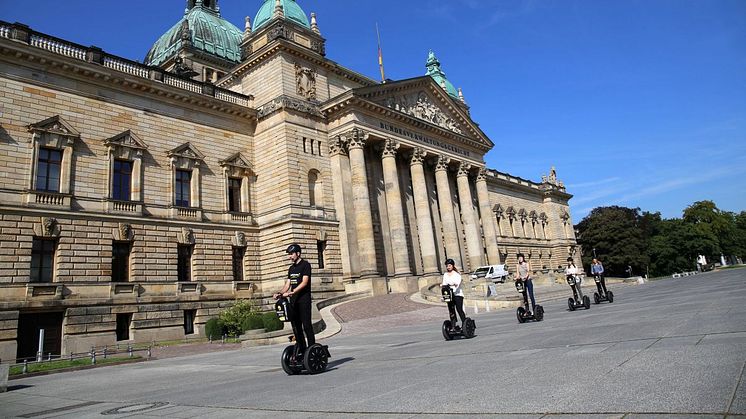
[337, 146]
[442, 163]
[389, 148]
[463, 169]
[418, 156]
[482, 175]
[356, 138]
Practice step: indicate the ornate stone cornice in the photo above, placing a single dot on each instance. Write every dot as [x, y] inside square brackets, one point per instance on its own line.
[291, 103]
[356, 138]
[442, 163]
[337, 146]
[418, 156]
[463, 170]
[389, 148]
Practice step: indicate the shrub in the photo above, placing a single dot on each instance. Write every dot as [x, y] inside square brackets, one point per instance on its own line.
[233, 318]
[215, 328]
[271, 321]
[252, 322]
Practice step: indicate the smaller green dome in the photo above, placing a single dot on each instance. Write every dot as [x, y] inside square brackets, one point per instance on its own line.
[434, 71]
[208, 32]
[289, 7]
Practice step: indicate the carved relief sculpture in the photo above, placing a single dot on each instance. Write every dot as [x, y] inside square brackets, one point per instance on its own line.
[419, 106]
[305, 79]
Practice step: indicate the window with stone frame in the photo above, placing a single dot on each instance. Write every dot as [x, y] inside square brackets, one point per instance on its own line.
[42, 260]
[121, 185]
[189, 318]
[315, 189]
[124, 323]
[320, 249]
[120, 261]
[186, 163]
[125, 153]
[182, 188]
[238, 266]
[48, 169]
[239, 176]
[49, 181]
[184, 264]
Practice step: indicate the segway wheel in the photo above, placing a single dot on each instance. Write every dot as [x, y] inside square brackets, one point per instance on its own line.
[610, 296]
[586, 302]
[447, 330]
[315, 359]
[287, 365]
[520, 313]
[539, 313]
[596, 298]
[571, 304]
[469, 328]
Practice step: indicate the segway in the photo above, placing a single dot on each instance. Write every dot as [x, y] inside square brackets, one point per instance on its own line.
[600, 296]
[314, 360]
[450, 332]
[524, 314]
[577, 300]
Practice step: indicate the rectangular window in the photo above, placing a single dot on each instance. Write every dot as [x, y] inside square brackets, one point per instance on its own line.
[184, 267]
[312, 150]
[122, 183]
[238, 255]
[305, 150]
[321, 247]
[183, 188]
[319, 144]
[234, 194]
[124, 321]
[120, 262]
[189, 316]
[48, 170]
[42, 260]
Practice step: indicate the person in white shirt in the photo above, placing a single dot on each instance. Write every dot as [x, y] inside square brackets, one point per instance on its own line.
[452, 278]
[572, 270]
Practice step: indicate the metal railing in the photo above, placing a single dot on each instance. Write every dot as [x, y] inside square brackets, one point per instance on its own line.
[104, 352]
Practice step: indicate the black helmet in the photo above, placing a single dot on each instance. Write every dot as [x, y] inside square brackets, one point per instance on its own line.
[450, 262]
[569, 259]
[293, 248]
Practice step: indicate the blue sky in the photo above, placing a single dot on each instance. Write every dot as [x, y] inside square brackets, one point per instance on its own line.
[640, 103]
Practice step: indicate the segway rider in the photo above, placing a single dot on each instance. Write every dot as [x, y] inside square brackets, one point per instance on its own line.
[452, 278]
[597, 269]
[572, 271]
[298, 289]
[522, 270]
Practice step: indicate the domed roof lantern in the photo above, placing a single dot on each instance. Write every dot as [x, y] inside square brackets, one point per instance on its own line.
[434, 71]
[284, 9]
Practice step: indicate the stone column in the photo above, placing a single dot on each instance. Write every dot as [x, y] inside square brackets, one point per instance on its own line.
[361, 204]
[341, 179]
[422, 209]
[450, 236]
[488, 220]
[469, 218]
[399, 246]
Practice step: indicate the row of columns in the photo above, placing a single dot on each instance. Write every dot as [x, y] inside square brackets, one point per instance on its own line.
[359, 229]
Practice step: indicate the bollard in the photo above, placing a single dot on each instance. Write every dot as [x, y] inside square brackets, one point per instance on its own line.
[149, 354]
[105, 350]
[93, 357]
[49, 356]
[25, 366]
[71, 357]
[222, 340]
[129, 350]
[209, 340]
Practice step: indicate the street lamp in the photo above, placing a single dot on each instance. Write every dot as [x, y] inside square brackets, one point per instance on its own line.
[594, 253]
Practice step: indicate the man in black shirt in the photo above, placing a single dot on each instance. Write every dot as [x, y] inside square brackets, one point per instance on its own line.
[298, 288]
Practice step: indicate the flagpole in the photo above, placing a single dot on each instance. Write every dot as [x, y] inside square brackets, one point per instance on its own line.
[380, 55]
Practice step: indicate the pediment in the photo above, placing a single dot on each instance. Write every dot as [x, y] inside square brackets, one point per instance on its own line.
[421, 98]
[126, 139]
[187, 151]
[55, 125]
[236, 160]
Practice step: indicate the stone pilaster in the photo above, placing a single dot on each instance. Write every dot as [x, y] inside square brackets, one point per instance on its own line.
[361, 203]
[399, 246]
[341, 181]
[488, 220]
[469, 219]
[450, 236]
[422, 209]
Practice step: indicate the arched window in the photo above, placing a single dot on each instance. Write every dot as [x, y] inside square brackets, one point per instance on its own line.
[315, 189]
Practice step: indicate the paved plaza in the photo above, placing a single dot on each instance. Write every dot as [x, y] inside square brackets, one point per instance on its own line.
[669, 348]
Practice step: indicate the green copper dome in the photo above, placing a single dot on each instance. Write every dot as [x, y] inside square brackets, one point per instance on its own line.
[289, 7]
[208, 32]
[434, 71]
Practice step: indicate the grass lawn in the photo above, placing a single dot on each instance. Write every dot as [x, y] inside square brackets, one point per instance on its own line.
[66, 363]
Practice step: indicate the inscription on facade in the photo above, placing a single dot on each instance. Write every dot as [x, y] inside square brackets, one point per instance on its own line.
[423, 139]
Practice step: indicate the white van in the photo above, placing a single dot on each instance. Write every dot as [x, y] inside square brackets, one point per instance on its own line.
[495, 273]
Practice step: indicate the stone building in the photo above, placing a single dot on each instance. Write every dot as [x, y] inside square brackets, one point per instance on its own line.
[137, 200]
